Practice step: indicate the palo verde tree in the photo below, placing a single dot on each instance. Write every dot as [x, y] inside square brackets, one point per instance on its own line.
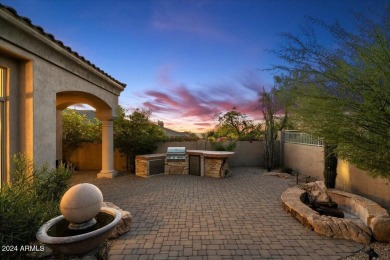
[233, 126]
[342, 93]
[238, 126]
[135, 134]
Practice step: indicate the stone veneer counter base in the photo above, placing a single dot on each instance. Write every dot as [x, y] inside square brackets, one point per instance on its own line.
[142, 163]
[213, 163]
[180, 167]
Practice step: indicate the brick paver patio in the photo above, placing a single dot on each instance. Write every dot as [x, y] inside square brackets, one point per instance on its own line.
[190, 217]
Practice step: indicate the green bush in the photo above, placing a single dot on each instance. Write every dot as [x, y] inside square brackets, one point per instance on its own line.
[190, 138]
[31, 199]
[52, 184]
[224, 146]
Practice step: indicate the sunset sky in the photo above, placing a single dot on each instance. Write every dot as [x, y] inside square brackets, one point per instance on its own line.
[186, 60]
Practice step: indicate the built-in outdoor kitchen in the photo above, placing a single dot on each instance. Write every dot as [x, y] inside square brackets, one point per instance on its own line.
[178, 160]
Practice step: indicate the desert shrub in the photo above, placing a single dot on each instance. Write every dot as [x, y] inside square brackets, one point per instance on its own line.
[52, 184]
[28, 201]
[224, 145]
[190, 138]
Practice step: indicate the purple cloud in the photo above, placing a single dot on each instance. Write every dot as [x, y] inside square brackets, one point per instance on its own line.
[197, 108]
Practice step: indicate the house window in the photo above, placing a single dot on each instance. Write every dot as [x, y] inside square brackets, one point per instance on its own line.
[3, 82]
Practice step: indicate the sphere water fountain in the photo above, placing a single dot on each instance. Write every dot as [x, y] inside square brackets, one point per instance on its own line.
[84, 223]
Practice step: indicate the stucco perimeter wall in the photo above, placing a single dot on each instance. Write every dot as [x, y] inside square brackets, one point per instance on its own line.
[190, 145]
[308, 160]
[305, 159]
[247, 154]
[88, 157]
[353, 180]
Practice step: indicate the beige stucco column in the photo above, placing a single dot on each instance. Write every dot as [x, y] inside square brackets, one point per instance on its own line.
[107, 150]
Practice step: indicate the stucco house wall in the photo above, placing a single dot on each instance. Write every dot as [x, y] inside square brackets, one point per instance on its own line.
[45, 76]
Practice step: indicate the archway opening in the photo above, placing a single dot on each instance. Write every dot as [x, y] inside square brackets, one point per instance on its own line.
[79, 137]
[92, 107]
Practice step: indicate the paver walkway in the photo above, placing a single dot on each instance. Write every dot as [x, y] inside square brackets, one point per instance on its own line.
[190, 217]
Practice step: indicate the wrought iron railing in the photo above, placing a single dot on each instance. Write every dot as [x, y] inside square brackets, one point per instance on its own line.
[292, 136]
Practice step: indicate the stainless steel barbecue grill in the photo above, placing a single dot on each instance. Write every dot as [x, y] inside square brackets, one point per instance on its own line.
[176, 154]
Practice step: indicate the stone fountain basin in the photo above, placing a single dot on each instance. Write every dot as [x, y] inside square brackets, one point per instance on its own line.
[373, 220]
[78, 244]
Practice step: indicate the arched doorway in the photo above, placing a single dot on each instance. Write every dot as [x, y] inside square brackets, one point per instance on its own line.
[104, 113]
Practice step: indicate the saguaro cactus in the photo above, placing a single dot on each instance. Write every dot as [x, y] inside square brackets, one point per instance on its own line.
[330, 165]
[268, 108]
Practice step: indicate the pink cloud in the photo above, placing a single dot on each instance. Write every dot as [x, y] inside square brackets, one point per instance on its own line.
[153, 107]
[157, 108]
[180, 105]
[162, 98]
